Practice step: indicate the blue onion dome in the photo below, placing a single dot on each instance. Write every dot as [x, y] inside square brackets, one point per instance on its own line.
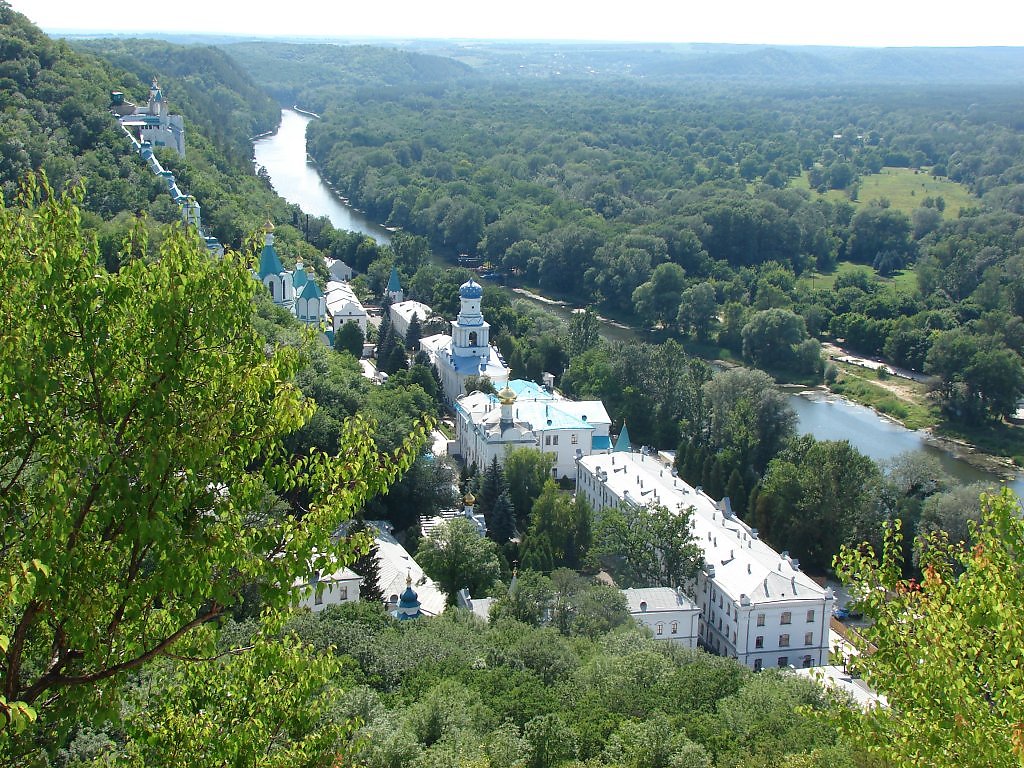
[471, 290]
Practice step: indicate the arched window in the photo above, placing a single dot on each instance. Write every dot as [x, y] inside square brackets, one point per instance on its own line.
[270, 285]
[661, 628]
[675, 627]
[472, 338]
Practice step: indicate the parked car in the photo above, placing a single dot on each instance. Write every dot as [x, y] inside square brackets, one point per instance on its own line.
[846, 612]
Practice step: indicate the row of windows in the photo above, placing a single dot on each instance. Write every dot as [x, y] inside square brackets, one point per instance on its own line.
[783, 661]
[660, 628]
[553, 439]
[786, 618]
[784, 640]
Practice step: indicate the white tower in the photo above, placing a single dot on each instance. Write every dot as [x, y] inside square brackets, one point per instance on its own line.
[470, 332]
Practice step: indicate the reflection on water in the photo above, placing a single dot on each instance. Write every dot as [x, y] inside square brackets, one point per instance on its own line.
[283, 154]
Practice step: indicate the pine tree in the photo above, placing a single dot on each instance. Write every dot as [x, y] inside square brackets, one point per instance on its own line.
[349, 338]
[492, 485]
[737, 492]
[413, 333]
[367, 566]
[501, 521]
[537, 554]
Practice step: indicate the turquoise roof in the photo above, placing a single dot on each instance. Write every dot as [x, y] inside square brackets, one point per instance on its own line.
[311, 290]
[408, 604]
[542, 416]
[622, 444]
[270, 262]
[299, 278]
[600, 442]
[529, 390]
[394, 285]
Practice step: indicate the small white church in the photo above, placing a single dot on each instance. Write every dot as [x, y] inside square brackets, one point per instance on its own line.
[467, 351]
[295, 290]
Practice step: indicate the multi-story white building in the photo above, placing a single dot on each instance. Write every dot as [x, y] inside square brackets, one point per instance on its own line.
[320, 591]
[343, 306]
[525, 415]
[669, 613]
[756, 605]
[152, 123]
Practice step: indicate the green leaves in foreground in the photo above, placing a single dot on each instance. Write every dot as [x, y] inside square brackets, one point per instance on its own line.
[141, 460]
[946, 652]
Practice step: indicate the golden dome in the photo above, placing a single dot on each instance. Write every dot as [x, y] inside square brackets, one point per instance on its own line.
[268, 227]
[507, 396]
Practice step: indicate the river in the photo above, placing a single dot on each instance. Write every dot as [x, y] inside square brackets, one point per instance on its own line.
[283, 154]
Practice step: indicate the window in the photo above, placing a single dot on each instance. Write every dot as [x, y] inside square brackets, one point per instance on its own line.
[783, 661]
[554, 440]
[575, 438]
[757, 665]
[675, 627]
[810, 616]
[661, 628]
[787, 618]
[783, 641]
[759, 641]
[319, 599]
[807, 661]
[343, 592]
[809, 638]
[547, 439]
[760, 619]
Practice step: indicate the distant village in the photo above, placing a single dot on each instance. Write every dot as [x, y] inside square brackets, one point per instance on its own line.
[748, 602]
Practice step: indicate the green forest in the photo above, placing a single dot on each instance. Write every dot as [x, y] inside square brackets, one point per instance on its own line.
[175, 449]
[732, 216]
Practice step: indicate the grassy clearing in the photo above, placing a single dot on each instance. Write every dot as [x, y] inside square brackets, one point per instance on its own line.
[907, 405]
[904, 188]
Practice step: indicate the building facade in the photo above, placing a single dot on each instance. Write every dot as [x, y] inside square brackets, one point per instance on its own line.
[668, 613]
[525, 415]
[756, 605]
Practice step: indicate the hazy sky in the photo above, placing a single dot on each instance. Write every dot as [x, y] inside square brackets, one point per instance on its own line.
[807, 22]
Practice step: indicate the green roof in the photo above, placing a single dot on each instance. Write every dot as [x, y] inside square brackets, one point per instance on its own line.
[622, 444]
[270, 262]
[311, 291]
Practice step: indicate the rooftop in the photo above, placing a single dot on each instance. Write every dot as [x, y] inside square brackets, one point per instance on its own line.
[742, 564]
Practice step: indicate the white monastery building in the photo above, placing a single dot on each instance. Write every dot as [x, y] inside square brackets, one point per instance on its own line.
[344, 307]
[403, 312]
[667, 612]
[152, 123]
[756, 605]
[467, 351]
[525, 415]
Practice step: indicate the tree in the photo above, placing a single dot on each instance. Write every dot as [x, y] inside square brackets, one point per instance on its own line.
[648, 546]
[367, 566]
[413, 333]
[582, 333]
[946, 652]
[457, 557]
[492, 485]
[528, 599]
[526, 472]
[287, 715]
[817, 495]
[698, 311]
[141, 459]
[770, 336]
[349, 338]
[560, 524]
[657, 300]
[501, 522]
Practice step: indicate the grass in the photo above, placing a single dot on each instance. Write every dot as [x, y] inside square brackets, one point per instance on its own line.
[904, 188]
[910, 409]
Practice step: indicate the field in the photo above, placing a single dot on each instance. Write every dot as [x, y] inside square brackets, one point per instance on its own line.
[904, 188]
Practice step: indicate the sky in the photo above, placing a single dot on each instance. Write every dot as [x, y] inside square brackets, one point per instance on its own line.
[782, 22]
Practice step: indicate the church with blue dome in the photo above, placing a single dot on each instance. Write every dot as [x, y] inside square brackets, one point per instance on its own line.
[467, 351]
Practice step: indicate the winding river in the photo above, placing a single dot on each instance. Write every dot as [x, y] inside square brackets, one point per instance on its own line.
[827, 417]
